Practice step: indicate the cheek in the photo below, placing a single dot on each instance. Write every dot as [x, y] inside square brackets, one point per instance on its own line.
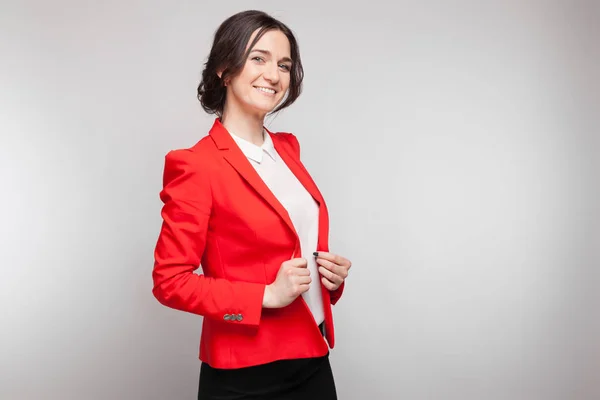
[242, 85]
[247, 76]
[285, 82]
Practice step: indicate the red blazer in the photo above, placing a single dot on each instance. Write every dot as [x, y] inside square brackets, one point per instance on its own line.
[219, 213]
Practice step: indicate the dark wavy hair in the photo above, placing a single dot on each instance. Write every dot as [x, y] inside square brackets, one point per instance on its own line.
[228, 54]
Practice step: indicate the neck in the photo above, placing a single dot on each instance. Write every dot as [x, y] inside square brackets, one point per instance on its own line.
[243, 124]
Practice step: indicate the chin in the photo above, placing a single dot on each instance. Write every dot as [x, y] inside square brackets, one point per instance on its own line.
[263, 108]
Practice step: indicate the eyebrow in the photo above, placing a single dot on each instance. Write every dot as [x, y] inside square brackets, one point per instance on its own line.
[268, 53]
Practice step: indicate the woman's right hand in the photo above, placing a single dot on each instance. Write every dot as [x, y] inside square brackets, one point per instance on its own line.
[293, 279]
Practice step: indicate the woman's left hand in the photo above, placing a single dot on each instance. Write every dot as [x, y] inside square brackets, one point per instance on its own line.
[333, 268]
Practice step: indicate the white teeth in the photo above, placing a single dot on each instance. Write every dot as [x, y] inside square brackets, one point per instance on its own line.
[266, 90]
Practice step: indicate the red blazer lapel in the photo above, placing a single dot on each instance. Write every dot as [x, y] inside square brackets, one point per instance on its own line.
[234, 156]
[288, 155]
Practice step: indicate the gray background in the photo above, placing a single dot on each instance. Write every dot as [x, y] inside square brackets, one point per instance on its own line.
[455, 142]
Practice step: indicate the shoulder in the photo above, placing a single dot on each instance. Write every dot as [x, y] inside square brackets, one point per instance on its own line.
[198, 154]
[290, 139]
[189, 162]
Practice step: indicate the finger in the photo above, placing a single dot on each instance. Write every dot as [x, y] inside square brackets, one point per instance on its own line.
[334, 258]
[331, 276]
[303, 288]
[299, 289]
[299, 262]
[328, 284]
[303, 280]
[301, 271]
[336, 269]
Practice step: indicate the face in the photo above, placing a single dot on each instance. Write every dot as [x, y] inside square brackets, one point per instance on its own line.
[265, 77]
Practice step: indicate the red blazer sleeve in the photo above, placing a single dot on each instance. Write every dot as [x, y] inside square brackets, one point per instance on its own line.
[335, 294]
[187, 199]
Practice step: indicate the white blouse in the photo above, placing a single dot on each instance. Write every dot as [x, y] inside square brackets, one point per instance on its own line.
[300, 205]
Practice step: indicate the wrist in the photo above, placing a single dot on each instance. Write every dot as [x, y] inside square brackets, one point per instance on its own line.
[267, 297]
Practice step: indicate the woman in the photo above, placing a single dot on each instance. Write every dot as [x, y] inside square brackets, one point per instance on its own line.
[241, 204]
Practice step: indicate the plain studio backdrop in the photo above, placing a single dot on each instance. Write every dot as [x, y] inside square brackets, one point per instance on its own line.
[456, 144]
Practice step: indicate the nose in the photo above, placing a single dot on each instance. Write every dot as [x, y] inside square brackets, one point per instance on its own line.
[271, 73]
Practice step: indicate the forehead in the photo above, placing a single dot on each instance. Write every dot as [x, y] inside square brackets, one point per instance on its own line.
[273, 41]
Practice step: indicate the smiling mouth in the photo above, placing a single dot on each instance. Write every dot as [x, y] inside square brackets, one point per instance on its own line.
[265, 90]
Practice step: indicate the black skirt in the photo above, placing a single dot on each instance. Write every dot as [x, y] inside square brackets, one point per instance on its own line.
[306, 378]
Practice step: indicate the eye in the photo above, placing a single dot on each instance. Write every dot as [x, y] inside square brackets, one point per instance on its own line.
[285, 67]
[258, 58]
